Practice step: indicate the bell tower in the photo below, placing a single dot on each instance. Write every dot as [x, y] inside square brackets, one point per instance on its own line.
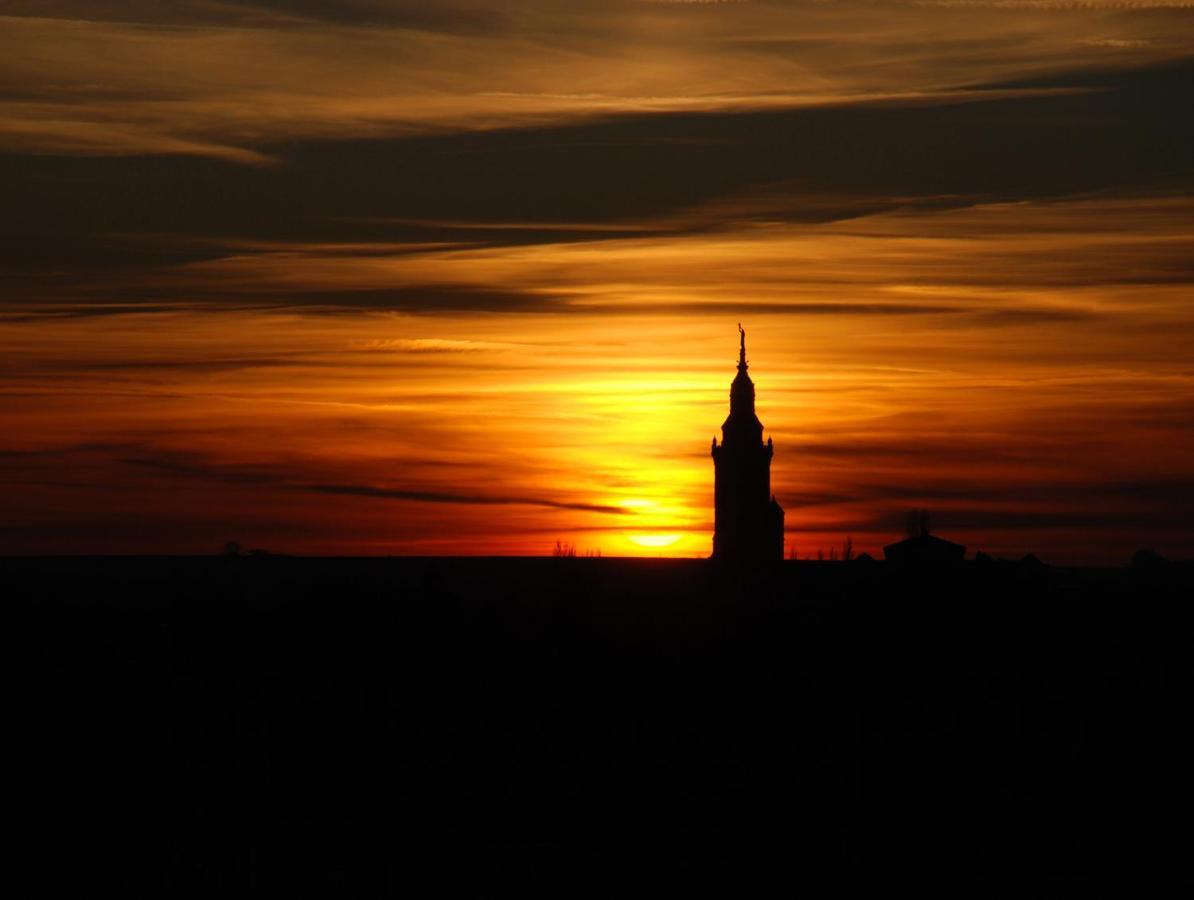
[748, 523]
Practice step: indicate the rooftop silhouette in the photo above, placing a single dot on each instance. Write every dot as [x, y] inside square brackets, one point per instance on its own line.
[922, 546]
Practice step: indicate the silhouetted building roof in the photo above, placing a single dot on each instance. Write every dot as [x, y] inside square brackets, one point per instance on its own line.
[924, 548]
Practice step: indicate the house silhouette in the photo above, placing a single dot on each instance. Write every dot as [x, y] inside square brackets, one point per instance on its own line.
[924, 548]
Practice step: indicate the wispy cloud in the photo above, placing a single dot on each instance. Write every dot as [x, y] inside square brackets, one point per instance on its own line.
[362, 490]
[186, 465]
[228, 80]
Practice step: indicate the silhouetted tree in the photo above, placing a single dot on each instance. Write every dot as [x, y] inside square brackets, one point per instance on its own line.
[848, 549]
[564, 549]
[232, 548]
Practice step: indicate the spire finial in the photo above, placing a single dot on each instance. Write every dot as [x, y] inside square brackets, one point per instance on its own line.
[741, 347]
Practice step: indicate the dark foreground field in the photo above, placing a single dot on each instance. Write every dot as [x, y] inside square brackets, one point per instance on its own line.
[597, 728]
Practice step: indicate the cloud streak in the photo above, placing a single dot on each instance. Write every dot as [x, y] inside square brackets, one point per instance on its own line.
[134, 79]
[362, 490]
[268, 478]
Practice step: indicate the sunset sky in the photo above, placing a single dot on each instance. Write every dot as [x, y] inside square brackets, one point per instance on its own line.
[440, 277]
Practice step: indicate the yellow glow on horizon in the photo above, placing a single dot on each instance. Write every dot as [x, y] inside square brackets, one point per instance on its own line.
[655, 541]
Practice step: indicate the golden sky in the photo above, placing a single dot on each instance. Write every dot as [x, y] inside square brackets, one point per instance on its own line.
[389, 277]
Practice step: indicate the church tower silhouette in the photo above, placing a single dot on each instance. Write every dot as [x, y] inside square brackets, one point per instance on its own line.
[748, 522]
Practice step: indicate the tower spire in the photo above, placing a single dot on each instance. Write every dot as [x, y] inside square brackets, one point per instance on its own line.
[742, 393]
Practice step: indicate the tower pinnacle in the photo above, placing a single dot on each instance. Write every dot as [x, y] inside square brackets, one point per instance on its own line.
[742, 420]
